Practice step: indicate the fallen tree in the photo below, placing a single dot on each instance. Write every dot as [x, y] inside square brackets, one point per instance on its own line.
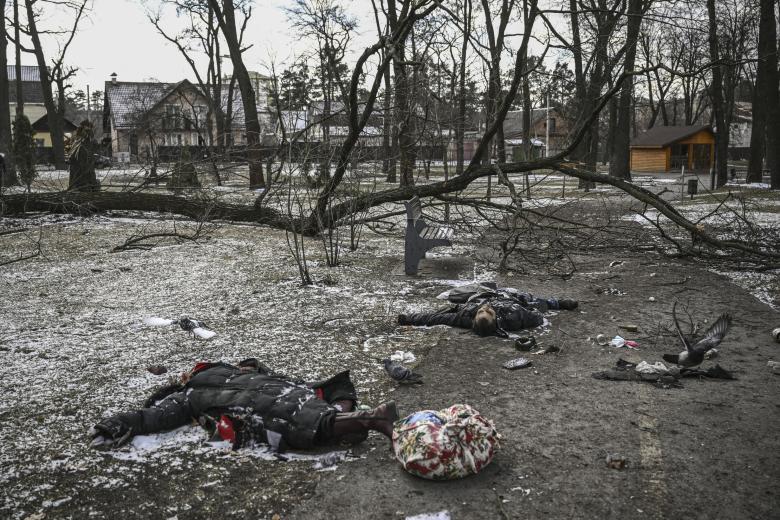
[326, 214]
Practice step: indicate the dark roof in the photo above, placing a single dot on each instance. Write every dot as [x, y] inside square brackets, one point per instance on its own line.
[32, 91]
[127, 101]
[42, 124]
[29, 73]
[662, 136]
[513, 123]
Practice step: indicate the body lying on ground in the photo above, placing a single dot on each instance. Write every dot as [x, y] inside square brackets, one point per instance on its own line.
[248, 404]
[489, 310]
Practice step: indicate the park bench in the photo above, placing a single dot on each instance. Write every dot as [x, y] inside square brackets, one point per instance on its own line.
[421, 236]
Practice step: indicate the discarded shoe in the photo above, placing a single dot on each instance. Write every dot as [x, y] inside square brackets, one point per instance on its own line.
[568, 305]
[525, 343]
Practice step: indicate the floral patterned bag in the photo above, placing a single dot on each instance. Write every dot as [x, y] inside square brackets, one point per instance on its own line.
[444, 445]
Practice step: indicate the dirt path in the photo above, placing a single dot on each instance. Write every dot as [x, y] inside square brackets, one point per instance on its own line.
[707, 450]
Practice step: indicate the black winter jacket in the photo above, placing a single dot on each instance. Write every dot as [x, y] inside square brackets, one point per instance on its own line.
[511, 315]
[269, 407]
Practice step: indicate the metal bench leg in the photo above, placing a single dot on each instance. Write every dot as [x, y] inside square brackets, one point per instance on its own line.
[412, 259]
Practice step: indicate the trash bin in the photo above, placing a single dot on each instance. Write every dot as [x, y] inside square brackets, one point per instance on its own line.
[693, 187]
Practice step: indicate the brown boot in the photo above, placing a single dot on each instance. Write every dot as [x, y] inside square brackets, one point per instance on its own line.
[351, 426]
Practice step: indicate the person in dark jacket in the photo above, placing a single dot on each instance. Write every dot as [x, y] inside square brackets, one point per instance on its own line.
[249, 403]
[489, 310]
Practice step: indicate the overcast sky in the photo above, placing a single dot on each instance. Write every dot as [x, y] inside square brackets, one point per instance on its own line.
[117, 37]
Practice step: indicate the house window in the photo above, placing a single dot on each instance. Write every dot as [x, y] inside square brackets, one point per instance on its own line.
[172, 117]
[178, 139]
[199, 115]
[552, 125]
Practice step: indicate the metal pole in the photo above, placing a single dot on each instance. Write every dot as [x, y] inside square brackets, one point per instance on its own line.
[682, 183]
[88, 106]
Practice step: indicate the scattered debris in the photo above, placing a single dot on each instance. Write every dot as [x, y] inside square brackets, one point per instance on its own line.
[514, 364]
[402, 357]
[550, 349]
[197, 327]
[627, 371]
[441, 515]
[630, 327]
[602, 340]
[651, 299]
[656, 368]
[525, 343]
[616, 461]
[157, 370]
[610, 290]
[776, 334]
[616, 263]
[620, 341]
[775, 366]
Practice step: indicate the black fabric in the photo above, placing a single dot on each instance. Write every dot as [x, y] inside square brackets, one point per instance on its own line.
[268, 406]
[488, 290]
[511, 315]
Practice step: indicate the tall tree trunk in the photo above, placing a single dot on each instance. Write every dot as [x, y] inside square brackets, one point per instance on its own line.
[611, 129]
[722, 135]
[582, 150]
[8, 174]
[460, 121]
[620, 161]
[403, 104]
[52, 114]
[388, 165]
[765, 126]
[227, 21]
[773, 97]
[18, 63]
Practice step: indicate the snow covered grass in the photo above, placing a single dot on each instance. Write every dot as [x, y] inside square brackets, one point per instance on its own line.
[75, 348]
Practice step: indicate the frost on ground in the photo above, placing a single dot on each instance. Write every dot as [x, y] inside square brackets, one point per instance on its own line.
[75, 348]
[732, 219]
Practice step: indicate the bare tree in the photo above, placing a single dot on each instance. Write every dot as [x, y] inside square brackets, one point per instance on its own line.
[201, 35]
[620, 164]
[225, 15]
[8, 173]
[54, 113]
[331, 27]
[766, 130]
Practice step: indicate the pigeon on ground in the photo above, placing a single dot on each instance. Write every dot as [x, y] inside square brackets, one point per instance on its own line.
[693, 355]
[400, 373]
[196, 327]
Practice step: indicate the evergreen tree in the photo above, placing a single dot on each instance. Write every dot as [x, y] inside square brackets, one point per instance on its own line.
[24, 150]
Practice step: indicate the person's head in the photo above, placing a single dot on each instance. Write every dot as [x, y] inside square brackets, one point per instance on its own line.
[485, 321]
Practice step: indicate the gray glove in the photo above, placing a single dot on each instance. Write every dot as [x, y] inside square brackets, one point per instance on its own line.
[109, 434]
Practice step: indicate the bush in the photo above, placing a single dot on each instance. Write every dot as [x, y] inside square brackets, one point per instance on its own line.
[24, 150]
